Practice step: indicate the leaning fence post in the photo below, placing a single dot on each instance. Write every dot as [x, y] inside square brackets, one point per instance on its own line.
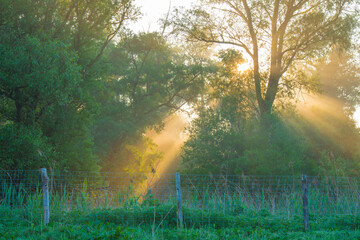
[178, 198]
[305, 203]
[45, 189]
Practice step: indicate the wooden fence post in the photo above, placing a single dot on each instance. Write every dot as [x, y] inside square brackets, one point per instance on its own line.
[45, 189]
[305, 203]
[178, 197]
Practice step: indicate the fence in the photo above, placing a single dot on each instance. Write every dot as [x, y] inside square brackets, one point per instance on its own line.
[173, 199]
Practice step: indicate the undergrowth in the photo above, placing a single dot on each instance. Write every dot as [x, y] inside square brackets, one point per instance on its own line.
[126, 216]
[159, 222]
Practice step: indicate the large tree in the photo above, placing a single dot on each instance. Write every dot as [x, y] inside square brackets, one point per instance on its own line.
[277, 35]
[149, 81]
[52, 65]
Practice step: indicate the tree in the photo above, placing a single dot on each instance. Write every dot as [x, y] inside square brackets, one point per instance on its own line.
[52, 64]
[339, 76]
[24, 148]
[327, 117]
[276, 34]
[227, 138]
[35, 75]
[149, 81]
[216, 146]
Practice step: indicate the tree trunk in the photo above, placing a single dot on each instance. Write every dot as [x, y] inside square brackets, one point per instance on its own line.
[266, 105]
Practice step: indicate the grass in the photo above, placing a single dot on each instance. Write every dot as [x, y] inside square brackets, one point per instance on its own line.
[128, 214]
[115, 224]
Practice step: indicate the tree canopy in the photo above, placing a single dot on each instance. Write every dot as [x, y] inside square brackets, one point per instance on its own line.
[81, 91]
[83, 86]
[276, 35]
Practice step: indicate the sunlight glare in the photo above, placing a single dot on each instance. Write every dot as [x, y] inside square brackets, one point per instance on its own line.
[356, 116]
[243, 67]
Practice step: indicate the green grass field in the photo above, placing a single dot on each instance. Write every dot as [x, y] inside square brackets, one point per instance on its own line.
[149, 222]
[151, 219]
[87, 214]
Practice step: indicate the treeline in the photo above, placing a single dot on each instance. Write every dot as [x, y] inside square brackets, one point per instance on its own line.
[79, 90]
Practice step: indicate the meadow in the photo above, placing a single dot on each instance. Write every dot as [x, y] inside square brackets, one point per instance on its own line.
[86, 211]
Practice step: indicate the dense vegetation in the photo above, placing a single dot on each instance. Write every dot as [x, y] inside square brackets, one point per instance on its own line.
[79, 225]
[83, 215]
[78, 90]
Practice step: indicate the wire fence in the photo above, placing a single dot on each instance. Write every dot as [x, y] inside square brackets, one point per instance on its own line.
[139, 198]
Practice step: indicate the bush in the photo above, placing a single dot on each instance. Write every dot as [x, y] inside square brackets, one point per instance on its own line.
[23, 148]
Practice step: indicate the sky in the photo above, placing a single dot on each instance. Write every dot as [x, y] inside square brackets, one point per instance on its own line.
[357, 117]
[152, 10]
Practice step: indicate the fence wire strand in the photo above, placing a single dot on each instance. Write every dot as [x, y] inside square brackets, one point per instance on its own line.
[137, 198]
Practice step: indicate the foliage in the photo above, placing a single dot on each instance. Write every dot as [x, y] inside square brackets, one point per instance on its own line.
[50, 52]
[79, 91]
[226, 143]
[216, 146]
[149, 80]
[35, 76]
[24, 148]
[80, 225]
[88, 87]
[74, 216]
[339, 77]
[229, 137]
[142, 158]
[276, 35]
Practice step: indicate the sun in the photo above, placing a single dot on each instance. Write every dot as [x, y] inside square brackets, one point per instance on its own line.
[243, 67]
